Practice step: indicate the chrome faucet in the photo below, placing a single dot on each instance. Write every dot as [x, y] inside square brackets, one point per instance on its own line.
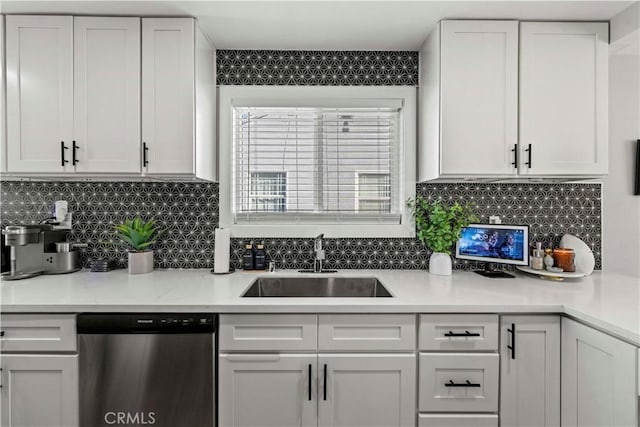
[317, 265]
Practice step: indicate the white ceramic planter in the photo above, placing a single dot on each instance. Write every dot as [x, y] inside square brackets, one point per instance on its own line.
[440, 264]
[140, 262]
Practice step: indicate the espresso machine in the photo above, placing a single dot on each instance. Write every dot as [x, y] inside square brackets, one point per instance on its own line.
[41, 249]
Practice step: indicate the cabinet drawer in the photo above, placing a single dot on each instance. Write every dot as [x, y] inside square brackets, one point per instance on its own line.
[268, 332]
[458, 382]
[457, 420]
[38, 332]
[458, 332]
[377, 332]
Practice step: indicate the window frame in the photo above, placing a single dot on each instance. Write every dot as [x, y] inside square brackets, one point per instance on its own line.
[342, 96]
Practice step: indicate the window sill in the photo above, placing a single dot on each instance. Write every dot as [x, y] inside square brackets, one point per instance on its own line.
[329, 230]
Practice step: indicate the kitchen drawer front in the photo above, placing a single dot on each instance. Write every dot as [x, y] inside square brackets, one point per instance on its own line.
[443, 379]
[457, 420]
[367, 332]
[268, 332]
[459, 332]
[38, 332]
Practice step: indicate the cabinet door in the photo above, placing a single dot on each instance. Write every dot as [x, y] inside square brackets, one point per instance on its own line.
[39, 56]
[530, 374]
[598, 378]
[479, 97]
[3, 97]
[107, 94]
[267, 390]
[168, 95]
[563, 98]
[366, 390]
[39, 390]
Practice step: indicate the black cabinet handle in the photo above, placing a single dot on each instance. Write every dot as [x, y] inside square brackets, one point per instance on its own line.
[73, 154]
[325, 382]
[528, 150]
[512, 347]
[465, 384]
[309, 381]
[145, 150]
[1, 335]
[62, 148]
[457, 334]
[515, 156]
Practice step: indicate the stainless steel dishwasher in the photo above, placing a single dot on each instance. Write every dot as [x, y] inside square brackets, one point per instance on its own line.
[147, 369]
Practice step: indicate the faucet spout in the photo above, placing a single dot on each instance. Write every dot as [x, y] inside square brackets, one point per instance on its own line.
[319, 252]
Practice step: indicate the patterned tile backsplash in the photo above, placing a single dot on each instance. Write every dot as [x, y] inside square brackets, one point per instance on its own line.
[188, 214]
[317, 68]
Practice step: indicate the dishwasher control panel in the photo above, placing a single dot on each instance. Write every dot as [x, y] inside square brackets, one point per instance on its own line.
[148, 323]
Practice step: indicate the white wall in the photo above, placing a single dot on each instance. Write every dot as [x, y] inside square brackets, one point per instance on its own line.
[621, 209]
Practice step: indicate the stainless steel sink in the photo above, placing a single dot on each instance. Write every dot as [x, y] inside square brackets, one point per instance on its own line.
[317, 287]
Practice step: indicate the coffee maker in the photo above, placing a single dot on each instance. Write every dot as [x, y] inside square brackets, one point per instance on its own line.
[38, 249]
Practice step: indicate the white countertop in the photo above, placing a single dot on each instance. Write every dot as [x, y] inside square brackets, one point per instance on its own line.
[607, 301]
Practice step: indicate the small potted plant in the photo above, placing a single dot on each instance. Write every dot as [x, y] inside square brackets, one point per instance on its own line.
[439, 227]
[138, 235]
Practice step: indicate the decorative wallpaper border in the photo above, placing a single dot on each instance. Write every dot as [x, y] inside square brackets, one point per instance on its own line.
[317, 68]
[188, 213]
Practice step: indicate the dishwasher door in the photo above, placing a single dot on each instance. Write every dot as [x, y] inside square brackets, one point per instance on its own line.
[136, 379]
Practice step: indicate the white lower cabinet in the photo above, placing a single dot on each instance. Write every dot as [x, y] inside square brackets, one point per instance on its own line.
[599, 378]
[349, 390]
[367, 390]
[39, 390]
[326, 379]
[530, 371]
[458, 382]
[267, 390]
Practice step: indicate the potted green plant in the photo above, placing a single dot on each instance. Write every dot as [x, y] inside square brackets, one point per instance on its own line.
[438, 227]
[138, 235]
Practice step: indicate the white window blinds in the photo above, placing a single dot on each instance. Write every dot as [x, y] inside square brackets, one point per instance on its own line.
[316, 164]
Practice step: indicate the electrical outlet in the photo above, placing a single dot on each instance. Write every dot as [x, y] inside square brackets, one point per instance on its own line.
[495, 219]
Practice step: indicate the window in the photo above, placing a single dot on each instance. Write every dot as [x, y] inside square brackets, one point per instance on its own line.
[300, 157]
[320, 151]
[268, 192]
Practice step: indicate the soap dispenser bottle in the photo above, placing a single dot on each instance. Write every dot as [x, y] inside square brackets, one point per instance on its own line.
[248, 259]
[260, 261]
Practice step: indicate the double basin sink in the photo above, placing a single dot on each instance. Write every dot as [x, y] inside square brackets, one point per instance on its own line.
[317, 287]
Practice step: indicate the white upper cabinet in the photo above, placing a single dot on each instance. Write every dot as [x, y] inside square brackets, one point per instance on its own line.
[501, 99]
[39, 55]
[564, 98]
[117, 96]
[106, 95]
[479, 96]
[178, 99]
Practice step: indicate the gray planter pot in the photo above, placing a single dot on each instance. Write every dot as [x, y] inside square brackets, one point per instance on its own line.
[140, 262]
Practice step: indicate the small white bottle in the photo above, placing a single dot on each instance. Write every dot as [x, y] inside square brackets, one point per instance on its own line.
[537, 259]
